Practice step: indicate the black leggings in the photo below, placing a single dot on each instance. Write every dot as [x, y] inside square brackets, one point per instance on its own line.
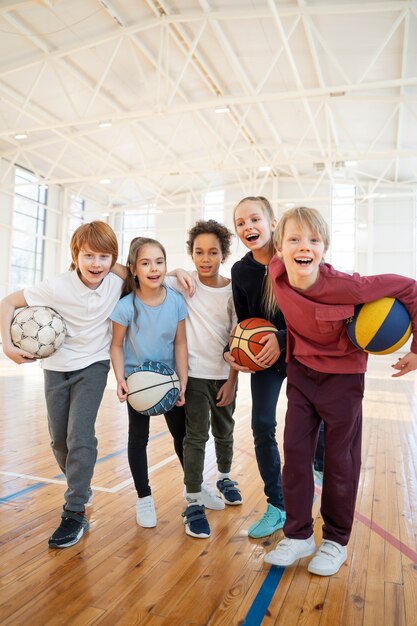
[138, 441]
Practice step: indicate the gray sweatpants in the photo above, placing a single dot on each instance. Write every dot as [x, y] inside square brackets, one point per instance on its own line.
[72, 401]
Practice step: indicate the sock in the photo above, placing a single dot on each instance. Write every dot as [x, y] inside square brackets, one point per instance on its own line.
[224, 475]
[194, 498]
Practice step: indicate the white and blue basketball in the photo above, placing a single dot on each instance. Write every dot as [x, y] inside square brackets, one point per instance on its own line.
[153, 388]
[380, 327]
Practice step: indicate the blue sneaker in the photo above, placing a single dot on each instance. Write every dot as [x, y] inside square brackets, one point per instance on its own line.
[229, 492]
[195, 520]
[272, 520]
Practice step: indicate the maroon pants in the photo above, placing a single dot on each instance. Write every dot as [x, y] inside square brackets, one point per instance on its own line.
[337, 400]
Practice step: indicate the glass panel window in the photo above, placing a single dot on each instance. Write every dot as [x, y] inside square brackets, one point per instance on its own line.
[29, 219]
[214, 206]
[343, 227]
[139, 223]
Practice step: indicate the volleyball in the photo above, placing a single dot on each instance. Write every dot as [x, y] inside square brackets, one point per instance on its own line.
[380, 327]
[245, 342]
[153, 388]
[39, 330]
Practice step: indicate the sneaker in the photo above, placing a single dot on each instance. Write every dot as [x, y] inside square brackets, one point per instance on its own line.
[290, 550]
[90, 497]
[328, 558]
[210, 499]
[229, 492]
[273, 519]
[195, 520]
[71, 529]
[145, 512]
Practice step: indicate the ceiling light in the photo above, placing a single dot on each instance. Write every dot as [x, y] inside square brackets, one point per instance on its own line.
[21, 136]
[362, 225]
[43, 186]
[351, 163]
[105, 181]
[105, 124]
[105, 214]
[337, 94]
[289, 205]
[222, 109]
[264, 168]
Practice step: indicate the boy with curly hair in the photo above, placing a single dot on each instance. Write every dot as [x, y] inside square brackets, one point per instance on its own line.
[211, 388]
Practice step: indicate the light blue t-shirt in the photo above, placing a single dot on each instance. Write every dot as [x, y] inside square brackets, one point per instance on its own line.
[151, 336]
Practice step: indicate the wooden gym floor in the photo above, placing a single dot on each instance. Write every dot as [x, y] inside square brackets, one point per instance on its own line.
[123, 574]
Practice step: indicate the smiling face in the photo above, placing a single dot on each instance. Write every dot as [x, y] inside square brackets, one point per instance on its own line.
[302, 250]
[150, 267]
[207, 257]
[254, 227]
[93, 266]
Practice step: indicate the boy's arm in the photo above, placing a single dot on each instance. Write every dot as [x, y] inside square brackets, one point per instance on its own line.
[8, 306]
[227, 392]
[181, 360]
[185, 280]
[120, 270]
[117, 359]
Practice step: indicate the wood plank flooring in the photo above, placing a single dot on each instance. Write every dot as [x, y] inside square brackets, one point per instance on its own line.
[122, 574]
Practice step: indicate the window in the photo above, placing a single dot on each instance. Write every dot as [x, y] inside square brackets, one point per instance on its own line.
[214, 206]
[137, 224]
[77, 209]
[29, 218]
[343, 227]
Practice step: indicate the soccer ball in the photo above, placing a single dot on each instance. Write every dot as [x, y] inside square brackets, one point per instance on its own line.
[39, 330]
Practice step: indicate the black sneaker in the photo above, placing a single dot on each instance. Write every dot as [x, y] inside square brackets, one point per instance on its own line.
[71, 529]
[229, 491]
[195, 520]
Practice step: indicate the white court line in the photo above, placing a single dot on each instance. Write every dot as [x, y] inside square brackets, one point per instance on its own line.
[115, 489]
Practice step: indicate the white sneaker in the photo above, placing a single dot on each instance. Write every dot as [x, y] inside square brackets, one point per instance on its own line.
[290, 550]
[211, 499]
[328, 558]
[145, 512]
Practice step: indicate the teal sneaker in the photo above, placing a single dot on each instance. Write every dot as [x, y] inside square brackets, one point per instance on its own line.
[272, 520]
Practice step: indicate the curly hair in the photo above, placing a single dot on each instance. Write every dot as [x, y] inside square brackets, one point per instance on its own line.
[211, 227]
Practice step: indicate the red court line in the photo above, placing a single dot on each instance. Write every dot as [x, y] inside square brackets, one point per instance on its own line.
[386, 536]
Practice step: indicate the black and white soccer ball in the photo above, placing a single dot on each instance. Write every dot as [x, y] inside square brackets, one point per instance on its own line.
[39, 330]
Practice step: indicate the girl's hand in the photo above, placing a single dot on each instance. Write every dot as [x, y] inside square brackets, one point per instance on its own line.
[19, 356]
[231, 361]
[122, 390]
[271, 350]
[226, 393]
[407, 363]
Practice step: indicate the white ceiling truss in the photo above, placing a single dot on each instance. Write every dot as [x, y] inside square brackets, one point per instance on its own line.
[127, 91]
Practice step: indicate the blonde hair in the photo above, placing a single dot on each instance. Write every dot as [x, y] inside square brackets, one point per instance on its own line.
[269, 303]
[304, 217]
[98, 236]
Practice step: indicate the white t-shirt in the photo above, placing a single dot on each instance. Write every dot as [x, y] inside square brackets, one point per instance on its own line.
[86, 313]
[211, 317]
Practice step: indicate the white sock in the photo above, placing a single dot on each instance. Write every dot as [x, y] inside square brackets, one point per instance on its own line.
[224, 475]
[194, 498]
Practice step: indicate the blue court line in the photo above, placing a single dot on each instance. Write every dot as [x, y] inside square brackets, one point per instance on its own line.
[264, 596]
[36, 486]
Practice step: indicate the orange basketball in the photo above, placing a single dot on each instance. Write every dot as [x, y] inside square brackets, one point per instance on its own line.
[244, 343]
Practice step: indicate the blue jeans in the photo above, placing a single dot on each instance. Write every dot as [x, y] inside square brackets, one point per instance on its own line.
[265, 388]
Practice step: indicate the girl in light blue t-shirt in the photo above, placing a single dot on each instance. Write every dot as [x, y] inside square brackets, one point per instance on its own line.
[148, 324]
